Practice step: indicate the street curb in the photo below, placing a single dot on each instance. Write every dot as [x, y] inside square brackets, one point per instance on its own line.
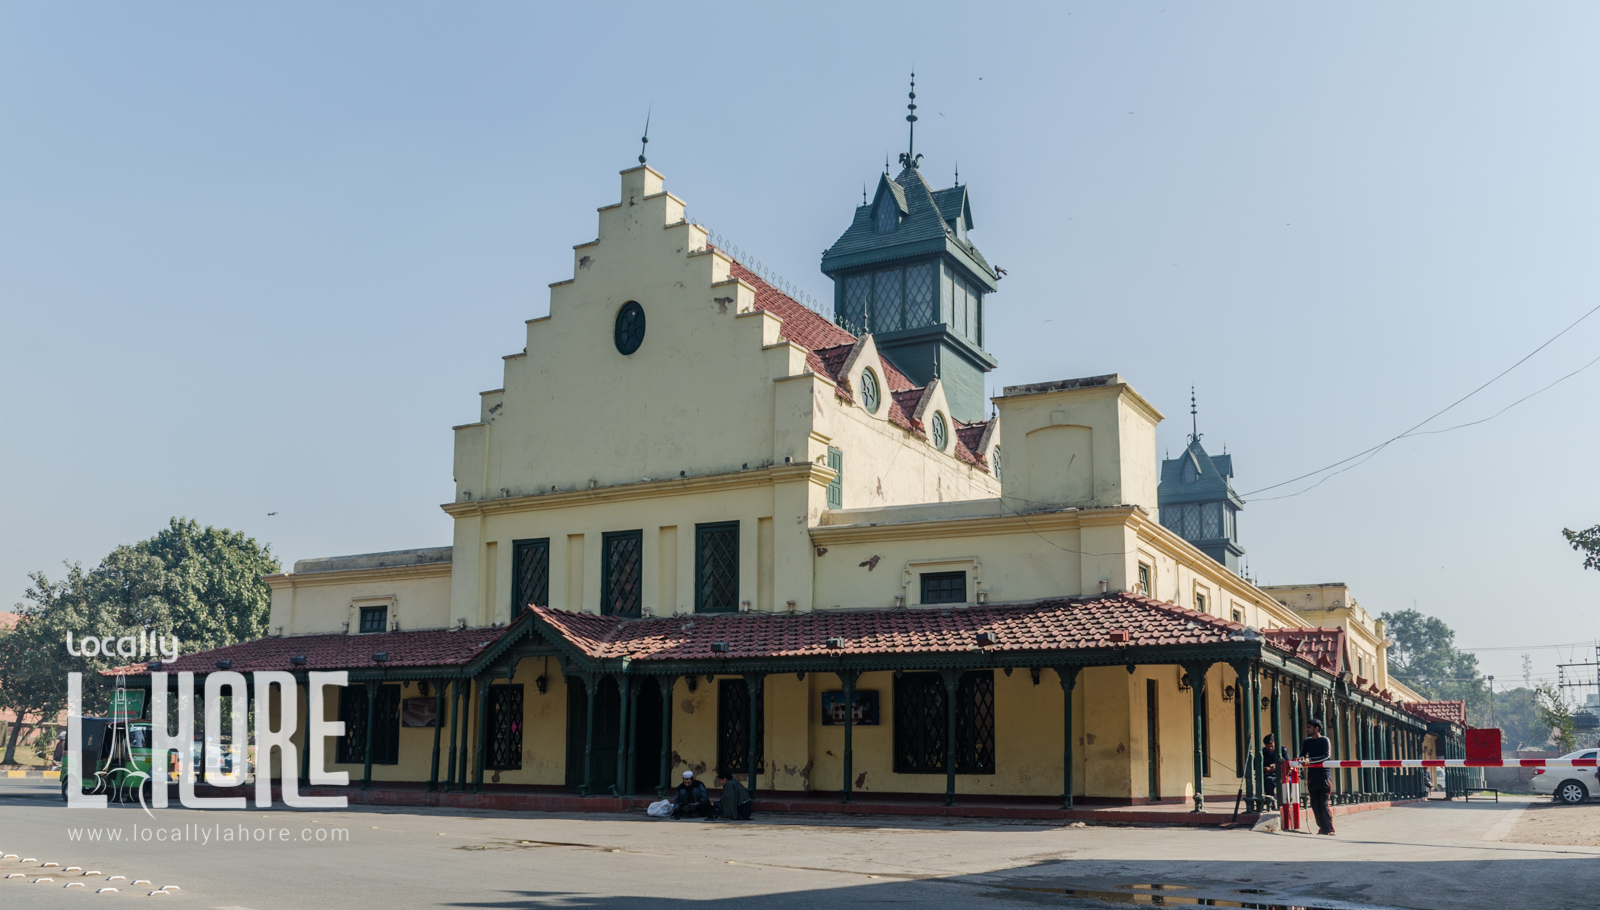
[46, 775]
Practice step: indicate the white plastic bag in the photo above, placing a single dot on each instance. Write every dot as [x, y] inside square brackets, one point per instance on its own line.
[660, 808]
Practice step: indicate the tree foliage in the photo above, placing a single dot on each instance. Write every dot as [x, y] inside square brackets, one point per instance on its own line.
[1424, 657]
[201, 584]
[1554, 713]
[1515, 712]
[1586, 542]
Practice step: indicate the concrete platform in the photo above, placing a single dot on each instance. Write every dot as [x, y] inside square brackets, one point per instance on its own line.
[556, 799]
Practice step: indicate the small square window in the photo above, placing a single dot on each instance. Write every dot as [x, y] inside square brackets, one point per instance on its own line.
[1238, 617]
[1146, 587]
[1199, 602]
[944, 587]
[374, 619]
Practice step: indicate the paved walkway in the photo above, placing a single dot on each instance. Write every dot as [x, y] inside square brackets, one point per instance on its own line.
[1436, 855]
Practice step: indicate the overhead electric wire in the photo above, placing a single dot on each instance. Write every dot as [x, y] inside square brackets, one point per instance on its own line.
[1382, 445]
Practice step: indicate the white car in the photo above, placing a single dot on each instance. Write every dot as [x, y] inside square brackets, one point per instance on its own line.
[1568, 785]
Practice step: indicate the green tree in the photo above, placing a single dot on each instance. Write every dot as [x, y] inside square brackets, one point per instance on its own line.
[1516, 713]
[1554, 714]
[1586, 542]
[201, 584]
[1424, 657]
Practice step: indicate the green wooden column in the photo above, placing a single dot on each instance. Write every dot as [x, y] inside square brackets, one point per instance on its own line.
[1197, 687]
[1277, 732]
[952, 684]
[631, 721]
[482, 737]
[466, 714]
[455, 712]
[438, 728]
[1241, 670]
[1068, 677]
[623, 687]
[754, 685]
[1255, 724]
[372, 706]
[847, 679]
[589, 680]
[666, 683]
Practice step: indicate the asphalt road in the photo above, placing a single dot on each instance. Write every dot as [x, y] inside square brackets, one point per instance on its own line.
[1434, 856]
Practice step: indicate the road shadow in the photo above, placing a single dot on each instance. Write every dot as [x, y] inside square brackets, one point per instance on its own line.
[1254, 884]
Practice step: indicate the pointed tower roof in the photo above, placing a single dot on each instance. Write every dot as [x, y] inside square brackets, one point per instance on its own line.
[926, 226]
[1196, 476]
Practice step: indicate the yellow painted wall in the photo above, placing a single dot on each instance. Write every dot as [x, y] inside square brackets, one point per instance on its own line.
[419, 597]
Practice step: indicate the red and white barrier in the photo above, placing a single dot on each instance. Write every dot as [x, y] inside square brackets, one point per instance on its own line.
[1453, 763]
[1290, 807]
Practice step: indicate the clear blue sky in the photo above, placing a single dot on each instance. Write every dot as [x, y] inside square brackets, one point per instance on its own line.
[260, 259]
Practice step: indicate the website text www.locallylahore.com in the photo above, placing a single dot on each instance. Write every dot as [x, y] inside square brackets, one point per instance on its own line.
[207, 834]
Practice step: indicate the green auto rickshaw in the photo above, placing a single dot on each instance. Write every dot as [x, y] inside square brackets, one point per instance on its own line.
[115, 759]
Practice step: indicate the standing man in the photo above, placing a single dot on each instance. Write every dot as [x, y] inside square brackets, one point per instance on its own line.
[1319, 781]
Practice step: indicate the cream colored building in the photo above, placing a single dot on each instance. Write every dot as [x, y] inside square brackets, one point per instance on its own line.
[706, 491]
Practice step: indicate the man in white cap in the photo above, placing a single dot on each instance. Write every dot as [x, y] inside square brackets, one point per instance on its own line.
[691, 798]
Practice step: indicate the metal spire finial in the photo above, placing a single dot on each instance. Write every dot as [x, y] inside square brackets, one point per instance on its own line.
[863, 192]
[646, 140]
[1194, 416]
[958, 172]
[909, 159]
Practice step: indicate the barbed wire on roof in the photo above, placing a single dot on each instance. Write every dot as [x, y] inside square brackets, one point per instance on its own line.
[765, 273]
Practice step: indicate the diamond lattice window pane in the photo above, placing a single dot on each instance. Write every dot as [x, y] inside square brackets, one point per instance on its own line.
[623, 558]
[919, 724]
[733, 729]
[717, 567]
[975, 723]
[505, 728]
[857, 290]
[530, 575]
[921, 294]
[888, 290]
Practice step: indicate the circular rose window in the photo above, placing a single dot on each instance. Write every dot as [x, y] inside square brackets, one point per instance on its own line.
[629, 332]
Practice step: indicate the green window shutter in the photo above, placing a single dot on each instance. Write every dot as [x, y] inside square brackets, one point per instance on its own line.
[836, 485]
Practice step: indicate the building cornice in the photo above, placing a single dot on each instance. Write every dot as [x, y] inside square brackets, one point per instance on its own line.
[357, 576]
[1212, 571]
[678, 486]
[1011, 523]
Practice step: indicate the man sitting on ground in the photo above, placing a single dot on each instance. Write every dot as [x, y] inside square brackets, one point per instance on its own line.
[691, 798]
[736, 804]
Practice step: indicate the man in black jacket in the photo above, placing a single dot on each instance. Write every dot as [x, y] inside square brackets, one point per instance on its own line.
[1272, 758]
[1319, 781]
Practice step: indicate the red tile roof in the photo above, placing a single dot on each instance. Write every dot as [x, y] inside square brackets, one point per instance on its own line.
[1323, 648]
[800, 324]
[9, 620]
[1454, 712]
[827, 346]
[1048, 625]
[336, 651]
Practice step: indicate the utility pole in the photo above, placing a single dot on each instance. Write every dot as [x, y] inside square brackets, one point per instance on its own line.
[1491, 701]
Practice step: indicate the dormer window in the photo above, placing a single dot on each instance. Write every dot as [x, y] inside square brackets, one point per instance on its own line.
[1191, 471]
[888, 216]
[940, 432]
